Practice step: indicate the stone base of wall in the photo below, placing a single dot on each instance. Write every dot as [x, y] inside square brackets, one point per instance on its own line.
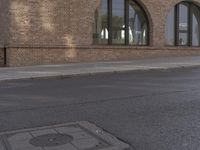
[41, 56]
[1, 57]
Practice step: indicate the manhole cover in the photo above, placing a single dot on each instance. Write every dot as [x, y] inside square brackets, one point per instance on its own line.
[49, 140]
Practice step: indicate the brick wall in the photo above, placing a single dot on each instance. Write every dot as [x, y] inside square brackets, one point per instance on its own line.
[36, 56]
[69, 23]
[50, 22]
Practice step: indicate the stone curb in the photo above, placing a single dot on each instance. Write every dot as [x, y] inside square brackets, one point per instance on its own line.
[74, 75]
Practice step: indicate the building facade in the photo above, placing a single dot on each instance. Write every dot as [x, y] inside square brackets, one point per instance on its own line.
[34, 32]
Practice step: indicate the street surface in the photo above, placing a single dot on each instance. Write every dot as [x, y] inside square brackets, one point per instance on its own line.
[149, 110]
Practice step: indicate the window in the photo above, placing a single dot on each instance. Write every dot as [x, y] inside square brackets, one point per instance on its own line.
[101, 23]
[182, 26]
[120, 22]
[138, 27]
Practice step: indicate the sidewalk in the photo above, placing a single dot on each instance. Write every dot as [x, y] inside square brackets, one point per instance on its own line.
[15, 73]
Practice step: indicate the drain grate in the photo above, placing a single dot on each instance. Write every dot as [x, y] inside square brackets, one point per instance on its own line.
[71, 136]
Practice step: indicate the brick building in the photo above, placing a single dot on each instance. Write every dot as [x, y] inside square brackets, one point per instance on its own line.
[61, 31]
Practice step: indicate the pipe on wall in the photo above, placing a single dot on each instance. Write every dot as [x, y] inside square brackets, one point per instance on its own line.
[5, 57]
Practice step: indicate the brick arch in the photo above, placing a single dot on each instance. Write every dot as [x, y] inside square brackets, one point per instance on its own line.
[173, 3]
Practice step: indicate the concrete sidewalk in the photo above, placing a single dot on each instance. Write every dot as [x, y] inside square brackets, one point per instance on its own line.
[15, 73]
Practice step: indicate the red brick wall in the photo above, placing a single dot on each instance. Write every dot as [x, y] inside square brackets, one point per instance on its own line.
[36, 56]
[69, 23]
[50, 22]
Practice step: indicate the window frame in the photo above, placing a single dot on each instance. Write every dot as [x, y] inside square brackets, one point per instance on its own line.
[189, 24]
[126, 22]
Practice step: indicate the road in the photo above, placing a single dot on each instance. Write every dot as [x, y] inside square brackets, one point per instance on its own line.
[150, 110]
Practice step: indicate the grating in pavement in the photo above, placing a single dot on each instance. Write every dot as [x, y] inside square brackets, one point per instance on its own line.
[70, 136]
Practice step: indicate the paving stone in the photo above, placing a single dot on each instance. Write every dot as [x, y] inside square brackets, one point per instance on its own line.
[86, 143]
[42, 132]
[21, 145]
[29, 148]
[68, 129]
[80, 135]
[62, 147]
[20, 137]
[1, 146]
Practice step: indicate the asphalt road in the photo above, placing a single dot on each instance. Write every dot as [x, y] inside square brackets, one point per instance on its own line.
[150, 110]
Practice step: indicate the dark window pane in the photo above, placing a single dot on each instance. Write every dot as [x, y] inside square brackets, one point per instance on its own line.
[183, 25]
[137, 25]
[101, 23]
[118, 22]
[169, 29]
[195, 25]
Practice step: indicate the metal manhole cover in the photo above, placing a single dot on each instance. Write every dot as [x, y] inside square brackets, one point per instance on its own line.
[71, 136]
[48, 140]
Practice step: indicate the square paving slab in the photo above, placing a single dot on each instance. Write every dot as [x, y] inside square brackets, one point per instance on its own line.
[70, 136]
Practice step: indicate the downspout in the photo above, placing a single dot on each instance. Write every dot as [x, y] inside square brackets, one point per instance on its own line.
[5, 57]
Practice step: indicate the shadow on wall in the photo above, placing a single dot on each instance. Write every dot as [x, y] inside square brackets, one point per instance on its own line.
[38, 23]
[3, 16]
[3, 29]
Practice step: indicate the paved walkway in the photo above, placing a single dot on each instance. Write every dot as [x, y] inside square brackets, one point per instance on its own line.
[71, 136]
[15, 73]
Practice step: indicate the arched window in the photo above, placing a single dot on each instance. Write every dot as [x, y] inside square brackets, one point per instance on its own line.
[120, 22]
[183, 25]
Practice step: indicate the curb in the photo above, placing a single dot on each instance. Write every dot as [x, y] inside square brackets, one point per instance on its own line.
[65, 76]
